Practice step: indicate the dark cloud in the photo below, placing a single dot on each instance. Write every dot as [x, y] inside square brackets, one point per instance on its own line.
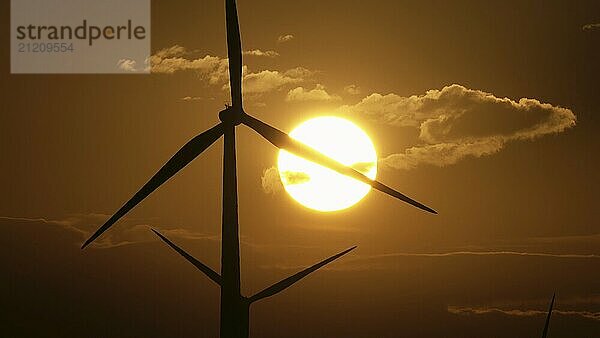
[458, 310]
[456, 122]
[127, 287]
[128, 231]
[591, 27]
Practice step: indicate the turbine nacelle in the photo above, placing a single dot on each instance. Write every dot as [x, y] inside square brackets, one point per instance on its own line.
[232, 115]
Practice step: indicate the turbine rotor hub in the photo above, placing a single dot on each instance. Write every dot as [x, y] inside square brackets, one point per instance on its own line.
[231, 115]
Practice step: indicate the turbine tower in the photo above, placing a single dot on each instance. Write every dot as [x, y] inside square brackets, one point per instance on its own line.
[234, 306]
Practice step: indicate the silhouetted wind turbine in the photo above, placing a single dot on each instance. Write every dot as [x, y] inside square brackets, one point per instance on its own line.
[239, 326]
[234, 307]
[547, 324]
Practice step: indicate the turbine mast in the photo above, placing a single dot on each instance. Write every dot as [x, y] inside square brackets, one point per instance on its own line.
[234, 311]
[234, 307]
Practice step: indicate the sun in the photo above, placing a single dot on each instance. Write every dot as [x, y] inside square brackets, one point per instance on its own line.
[323, 189]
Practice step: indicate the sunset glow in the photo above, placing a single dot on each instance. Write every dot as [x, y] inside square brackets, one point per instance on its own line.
[320, 188]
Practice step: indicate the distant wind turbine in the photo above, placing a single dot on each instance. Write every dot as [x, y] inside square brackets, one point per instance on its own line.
[547, 324]
[235, 307]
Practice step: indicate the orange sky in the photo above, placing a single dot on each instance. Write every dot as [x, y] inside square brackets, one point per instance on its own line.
[428, 81]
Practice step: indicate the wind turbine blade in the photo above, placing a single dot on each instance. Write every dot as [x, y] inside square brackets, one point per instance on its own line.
[210, 273]
[182, 158]
[286, 283]
[545, 332]
[234, 52]
[284, 141]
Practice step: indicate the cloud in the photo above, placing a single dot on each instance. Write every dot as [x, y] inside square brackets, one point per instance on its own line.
[294, 177]
[267, 81]
[191, 98]
[127, 65]
[317, 94]
[258, 52]
[172, 51]
[591, 27]
[285, 38]
[215, 70]
[466, 311]
[175, 58]
[272, 80]
[129, 231]
[271, 178]
[196, 98]
[441, 154]
[300, 72]
[487, 253]
[352, 89]
[381, 261]
[271, 183]
[456, 122]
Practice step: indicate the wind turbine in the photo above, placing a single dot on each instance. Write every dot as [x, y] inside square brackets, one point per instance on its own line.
[235, 307]
[547, 324]
[240, 319]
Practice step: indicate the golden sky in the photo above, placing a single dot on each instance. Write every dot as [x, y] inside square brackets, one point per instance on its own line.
[486, 112]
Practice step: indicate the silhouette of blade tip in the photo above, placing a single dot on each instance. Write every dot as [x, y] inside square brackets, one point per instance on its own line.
[190, 151]
[161, 236]
[419, 205]
[86, 243]
[284, 141]
[345, 252]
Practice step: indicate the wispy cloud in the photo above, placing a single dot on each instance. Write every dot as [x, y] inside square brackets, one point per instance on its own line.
[127, 65]
[386, 261]
[466, 311]
[214, 70]
[177, 58]
[191, 98]
[294, 177]
[131, 231]
[378, 261]
[271, 183]
[258, 52]
[285, 38]
[267, 81]
[319, 93]
[486, 253]
[352, 89]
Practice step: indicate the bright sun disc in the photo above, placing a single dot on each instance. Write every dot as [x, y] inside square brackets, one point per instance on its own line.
[323, 189]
